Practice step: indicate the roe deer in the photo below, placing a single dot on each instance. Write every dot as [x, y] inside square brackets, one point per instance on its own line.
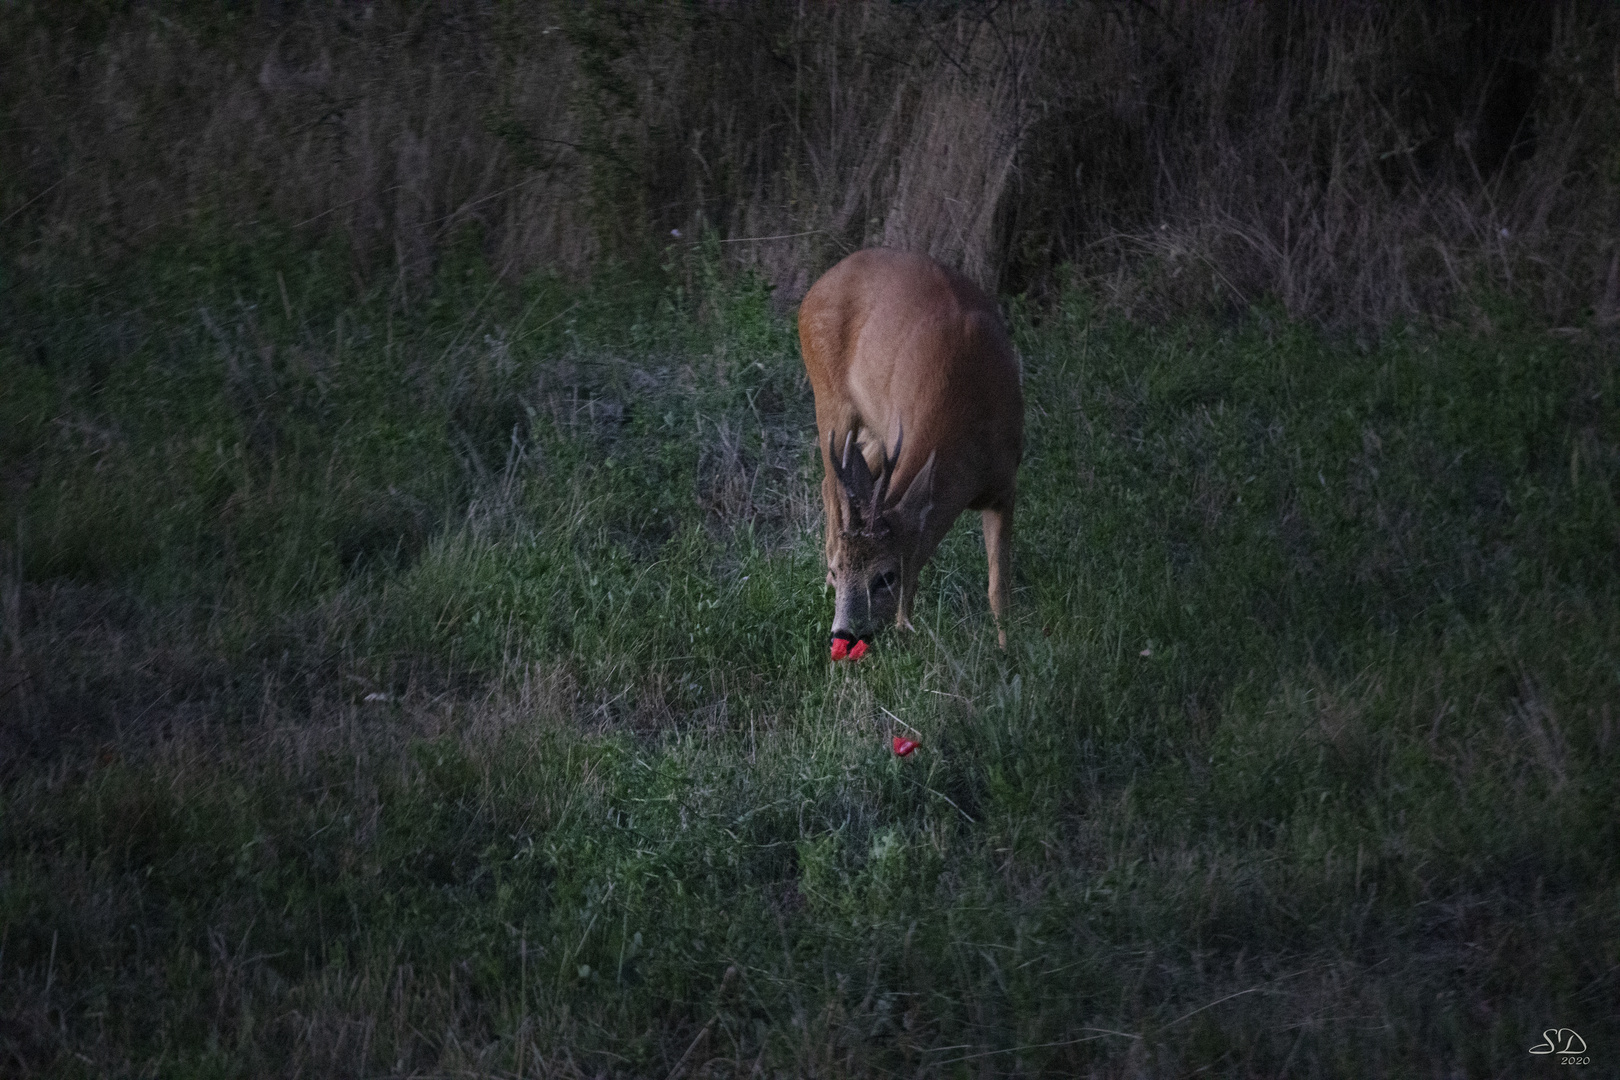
[907, 354]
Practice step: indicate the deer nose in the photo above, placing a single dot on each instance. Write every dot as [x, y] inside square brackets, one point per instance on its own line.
[846, 646]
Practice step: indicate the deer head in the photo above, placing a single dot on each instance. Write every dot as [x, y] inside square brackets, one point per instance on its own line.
[874, 559]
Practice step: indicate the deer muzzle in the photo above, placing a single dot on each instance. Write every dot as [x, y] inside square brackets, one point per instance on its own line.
[846, 646]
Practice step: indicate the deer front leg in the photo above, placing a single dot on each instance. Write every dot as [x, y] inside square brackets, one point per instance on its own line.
[998, 548]
[908, 594]
[829, 501]
[828, 425]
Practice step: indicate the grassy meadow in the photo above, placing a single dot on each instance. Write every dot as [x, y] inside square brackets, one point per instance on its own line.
[431, 679]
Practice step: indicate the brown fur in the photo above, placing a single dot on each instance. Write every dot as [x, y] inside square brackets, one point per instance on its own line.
[897, 345]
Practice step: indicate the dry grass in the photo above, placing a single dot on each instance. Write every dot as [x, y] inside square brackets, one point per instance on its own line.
[1361, 163]
[413, 665]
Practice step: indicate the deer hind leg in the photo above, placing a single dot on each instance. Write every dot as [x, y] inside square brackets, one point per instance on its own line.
[998, 547]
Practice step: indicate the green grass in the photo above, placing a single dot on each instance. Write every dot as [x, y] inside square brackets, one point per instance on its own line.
[433, 681]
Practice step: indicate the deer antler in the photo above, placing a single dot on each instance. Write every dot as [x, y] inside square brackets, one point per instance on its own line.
[880, 490]
[854, 480]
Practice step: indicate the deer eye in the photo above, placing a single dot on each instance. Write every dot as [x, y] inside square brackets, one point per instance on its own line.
[884, 580]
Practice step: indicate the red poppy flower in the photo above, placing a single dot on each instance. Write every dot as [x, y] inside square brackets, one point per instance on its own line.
[902, 747]
[857, 650]
[840, 648]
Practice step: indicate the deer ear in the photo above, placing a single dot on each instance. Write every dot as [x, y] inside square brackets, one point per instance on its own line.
[918, 500]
